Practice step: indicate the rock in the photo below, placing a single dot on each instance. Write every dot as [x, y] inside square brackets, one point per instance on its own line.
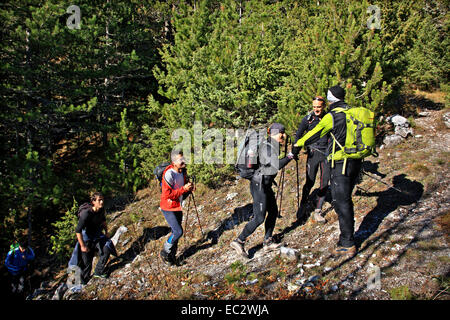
[288, 253]
[59, 293]
[293, 287]
[398, 120]
[73, 293]
[392, 140]
[401, 128]
[446, 119]
[230, 196]
[122, 229]
[251, 282]
[403, 131]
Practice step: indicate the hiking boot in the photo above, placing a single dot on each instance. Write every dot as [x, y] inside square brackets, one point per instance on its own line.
[100, 276]
[166, 258]
[346, 252]
[318, 216]
[239, 247]
[269, 244]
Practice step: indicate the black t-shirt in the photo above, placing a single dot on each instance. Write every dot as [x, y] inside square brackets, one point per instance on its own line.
[91, 221]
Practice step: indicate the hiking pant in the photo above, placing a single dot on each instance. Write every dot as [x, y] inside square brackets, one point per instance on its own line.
[315, 161]
[87, 258]
[174, 219]
[341, 189]
[263, 200]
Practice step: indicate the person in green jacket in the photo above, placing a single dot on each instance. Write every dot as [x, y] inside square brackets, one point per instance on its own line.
[342, 181]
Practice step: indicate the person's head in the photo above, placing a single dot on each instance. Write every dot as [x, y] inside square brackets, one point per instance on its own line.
[318, 105]
[97, 200]
[335, 94]
[277, 132]
[178, 160]
[22, 241]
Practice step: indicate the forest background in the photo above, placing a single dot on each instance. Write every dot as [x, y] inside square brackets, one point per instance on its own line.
[90, 98]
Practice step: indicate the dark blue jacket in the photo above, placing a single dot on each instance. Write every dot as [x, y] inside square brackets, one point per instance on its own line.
[17, 261]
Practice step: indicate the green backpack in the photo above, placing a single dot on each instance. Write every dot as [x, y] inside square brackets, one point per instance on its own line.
[360, 137]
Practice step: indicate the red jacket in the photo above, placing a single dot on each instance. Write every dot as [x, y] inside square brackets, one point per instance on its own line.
[170, 198]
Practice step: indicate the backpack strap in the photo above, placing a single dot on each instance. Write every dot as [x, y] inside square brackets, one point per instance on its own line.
[334, 149]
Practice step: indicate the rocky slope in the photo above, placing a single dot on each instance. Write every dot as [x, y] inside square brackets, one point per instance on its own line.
[403, 237]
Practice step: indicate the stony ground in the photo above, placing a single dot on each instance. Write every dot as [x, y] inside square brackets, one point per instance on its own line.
[402, 235]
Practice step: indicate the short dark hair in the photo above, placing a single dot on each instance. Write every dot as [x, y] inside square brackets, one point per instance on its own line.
[96, 195]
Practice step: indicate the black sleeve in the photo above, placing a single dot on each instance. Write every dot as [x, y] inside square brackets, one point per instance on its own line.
[301, 128]
[82, 221]
[283, 162]
[300, 131]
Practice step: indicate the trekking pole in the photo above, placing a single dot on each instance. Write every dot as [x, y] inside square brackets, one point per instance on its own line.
[198, 218]
[282, 177]
[281, 192]
[385, 183]
[187, 217]
[298, 185]
[195, 207]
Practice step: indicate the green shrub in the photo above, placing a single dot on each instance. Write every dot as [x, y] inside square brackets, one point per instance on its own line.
[63, 240]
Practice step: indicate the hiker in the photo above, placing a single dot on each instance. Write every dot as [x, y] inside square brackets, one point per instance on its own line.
[344, 173]
[18, 262]
[270, 160]
[175, 188]
[316, 158]
[91, 239]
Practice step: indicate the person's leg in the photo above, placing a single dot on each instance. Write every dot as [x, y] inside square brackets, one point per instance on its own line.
[86, 258]
[103, 259]
[324, 179]
[259, 210]
[312, 166]
[173, 218]
[341, 187]
[272, 213]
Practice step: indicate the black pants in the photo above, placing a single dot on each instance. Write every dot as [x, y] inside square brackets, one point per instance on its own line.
[263, 201]
[87, 258]
[315, 161]
[341, 189]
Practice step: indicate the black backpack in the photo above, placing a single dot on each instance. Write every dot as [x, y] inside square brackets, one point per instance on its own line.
[247, 161]
[83, 207]
[159, 170]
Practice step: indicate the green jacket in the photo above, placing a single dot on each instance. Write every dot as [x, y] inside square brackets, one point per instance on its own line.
[333, 122]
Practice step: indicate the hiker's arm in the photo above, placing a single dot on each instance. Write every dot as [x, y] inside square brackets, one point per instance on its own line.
[171, 193]
[81, 242]
[105, 227]
[269, 158]
[81, 222]
[301, 129]
[321, 129]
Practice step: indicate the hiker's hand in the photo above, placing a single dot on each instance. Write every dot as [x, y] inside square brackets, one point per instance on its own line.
[296, 150]
[188, 187]
[84, 248]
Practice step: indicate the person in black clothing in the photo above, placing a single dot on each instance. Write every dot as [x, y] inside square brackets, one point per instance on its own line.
[317, 158]
[270, 160]
[89, 232]
[342, 181]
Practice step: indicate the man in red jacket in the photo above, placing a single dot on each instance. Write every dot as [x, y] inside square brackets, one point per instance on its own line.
[175, 188]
